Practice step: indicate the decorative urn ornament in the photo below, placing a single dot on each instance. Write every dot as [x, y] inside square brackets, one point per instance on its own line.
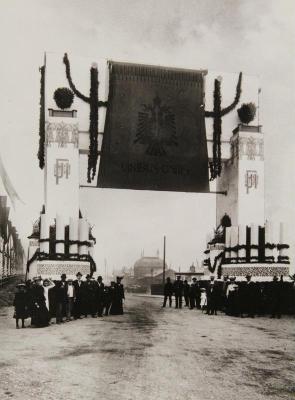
[63, 97]
[247, 113]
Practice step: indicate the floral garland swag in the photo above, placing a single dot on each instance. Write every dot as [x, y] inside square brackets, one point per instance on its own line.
[217, 113]
[94, 104]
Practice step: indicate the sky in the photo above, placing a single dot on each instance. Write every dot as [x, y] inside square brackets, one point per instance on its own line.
[253, 36]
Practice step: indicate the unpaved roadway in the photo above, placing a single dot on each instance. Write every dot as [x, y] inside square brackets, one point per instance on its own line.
[149, 353]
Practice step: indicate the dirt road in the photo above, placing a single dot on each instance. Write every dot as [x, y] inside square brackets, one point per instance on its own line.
[149, 353]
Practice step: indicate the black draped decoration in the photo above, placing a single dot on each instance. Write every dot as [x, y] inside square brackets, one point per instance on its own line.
[155, 136]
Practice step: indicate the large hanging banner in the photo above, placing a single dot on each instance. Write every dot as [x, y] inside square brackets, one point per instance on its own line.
[155, 136]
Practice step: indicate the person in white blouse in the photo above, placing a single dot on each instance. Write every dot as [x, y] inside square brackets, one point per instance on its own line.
[47, 284]
[70, 299]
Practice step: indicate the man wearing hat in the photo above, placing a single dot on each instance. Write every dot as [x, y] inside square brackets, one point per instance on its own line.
[100, 296]
[178, 292]
[213, 296]
[168, 292]
[118, 297]
[232, 303]
[194, 294]
[276, 297]
[64, 287]
[248, 297]
[89, 297]
[70, 299]
[79, 293]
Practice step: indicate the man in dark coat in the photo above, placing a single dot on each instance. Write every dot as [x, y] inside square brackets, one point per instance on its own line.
[178, 292]
[168, 292]
[90, 297]
[100, 296]
[186, 290]
[194, 294]
[248, 297]
[213, 297]
[59, 291]
[276, 293]
[79, 293]
[64, 287]
[108, 297]
[118, 297]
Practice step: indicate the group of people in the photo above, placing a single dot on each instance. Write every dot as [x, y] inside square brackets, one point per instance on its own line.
[243, 299]
[66, 299]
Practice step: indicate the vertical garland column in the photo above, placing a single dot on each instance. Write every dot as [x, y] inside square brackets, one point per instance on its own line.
[83, 236]
[254, 242]
[91, 248]
[242, 242]
[227, 243]
[234, 241]
[268, 240]
[73, 235]
[282, 251]
[60, 234]
[44, 234]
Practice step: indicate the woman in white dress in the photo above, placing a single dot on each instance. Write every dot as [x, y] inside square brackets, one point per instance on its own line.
[203, 302]
[47, 284]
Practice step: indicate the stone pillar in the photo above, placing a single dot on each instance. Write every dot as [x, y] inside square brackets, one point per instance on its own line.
[242, 241]
[234, 240]
[83, 236]
[60, 234]
[73, 235]
[227, 242]
[254, 242]
[268, 239]
[243, 178]
[44, 234]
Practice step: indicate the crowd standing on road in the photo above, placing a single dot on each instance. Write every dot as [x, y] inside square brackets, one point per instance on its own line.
[238, 299]
[65, 300]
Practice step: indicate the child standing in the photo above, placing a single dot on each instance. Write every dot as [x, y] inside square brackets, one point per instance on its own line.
[20, 305]
[203, 302]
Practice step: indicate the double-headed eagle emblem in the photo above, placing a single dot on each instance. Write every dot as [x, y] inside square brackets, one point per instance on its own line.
[156, 128]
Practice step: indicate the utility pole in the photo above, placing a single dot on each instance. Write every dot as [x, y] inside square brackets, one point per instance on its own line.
[164, 260]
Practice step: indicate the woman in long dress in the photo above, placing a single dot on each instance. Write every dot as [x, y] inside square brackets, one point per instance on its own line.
[40, 314]
[118, 296]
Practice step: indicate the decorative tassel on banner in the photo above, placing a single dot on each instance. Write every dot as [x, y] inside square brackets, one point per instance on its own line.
[217, 113]
[94, 104]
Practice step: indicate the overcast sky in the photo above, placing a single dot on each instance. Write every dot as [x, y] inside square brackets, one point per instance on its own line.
[253, 36]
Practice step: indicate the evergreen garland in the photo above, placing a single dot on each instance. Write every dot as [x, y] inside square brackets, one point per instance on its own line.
[217, 113]
[208, 262]
[94, 104]
[215, 165]
[41, 150]
[93, 128]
